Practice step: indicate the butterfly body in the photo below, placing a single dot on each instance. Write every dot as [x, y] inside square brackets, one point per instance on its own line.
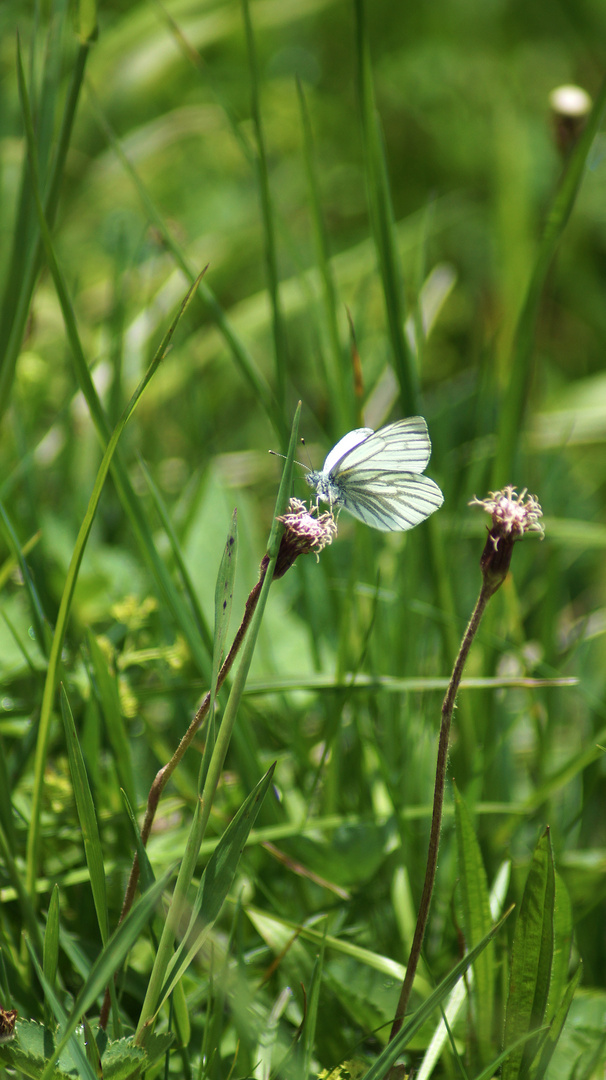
[377, 475]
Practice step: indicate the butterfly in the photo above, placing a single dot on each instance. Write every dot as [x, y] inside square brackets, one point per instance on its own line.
[377, 475]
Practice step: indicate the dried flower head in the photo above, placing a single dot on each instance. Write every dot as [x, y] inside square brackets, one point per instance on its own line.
[513, 516]
[305, 531]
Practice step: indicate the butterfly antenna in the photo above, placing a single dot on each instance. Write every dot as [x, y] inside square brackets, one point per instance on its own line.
[276, 454]
[309, 467]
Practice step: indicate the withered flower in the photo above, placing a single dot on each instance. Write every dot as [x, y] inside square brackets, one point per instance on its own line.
[513, 516]
[305, 531]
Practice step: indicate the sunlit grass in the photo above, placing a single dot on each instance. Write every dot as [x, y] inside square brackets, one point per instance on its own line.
[409, 182]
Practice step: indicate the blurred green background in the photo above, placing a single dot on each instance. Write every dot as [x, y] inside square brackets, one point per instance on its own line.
[164, 159]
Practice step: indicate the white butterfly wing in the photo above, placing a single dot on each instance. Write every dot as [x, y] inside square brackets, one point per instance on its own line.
[404, 446]
[390, 501]
[376, 475]
[344, 445]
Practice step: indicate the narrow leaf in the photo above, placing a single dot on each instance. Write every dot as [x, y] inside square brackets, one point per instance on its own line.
[50, 955]
[476, 920]
[87, 818]
[531, 959]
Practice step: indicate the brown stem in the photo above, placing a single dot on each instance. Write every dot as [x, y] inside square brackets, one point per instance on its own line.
[164, 774]
[438, 801]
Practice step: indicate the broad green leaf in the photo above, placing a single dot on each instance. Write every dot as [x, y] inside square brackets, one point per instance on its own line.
[560, 1012]
[477, 921]
[531, 959]
[562, 932]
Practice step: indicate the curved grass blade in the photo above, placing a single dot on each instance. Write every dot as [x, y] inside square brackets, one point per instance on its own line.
[128, 497]
[109, 701]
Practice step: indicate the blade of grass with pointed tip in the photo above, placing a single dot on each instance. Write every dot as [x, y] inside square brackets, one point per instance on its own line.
[224, 592]
[87, 818]
[50, 955]
[531, 958]
[515, 399]
[145, 868]
[37, 614]
[204, 805]
[476, 921]
[267, 215]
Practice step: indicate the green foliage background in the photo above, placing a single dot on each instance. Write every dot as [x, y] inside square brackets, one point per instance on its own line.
[164, 169]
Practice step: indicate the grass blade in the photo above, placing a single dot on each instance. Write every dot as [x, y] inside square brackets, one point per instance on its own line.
[87, 817]
[240, 353]
[267, 214]
[215, 884]
[476, 921]
[25, 258]
[338, 386]
[50, 956]
[393, 1050]
[532, 955]
[224, 734]
[382, 221]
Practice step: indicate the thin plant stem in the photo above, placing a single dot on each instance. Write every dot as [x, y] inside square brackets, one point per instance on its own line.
[448, 705]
